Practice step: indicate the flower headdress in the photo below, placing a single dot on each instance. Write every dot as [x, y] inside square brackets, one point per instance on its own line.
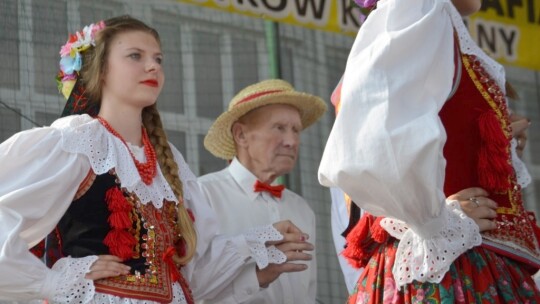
[366, 6]
[71, 59]
[70, 66]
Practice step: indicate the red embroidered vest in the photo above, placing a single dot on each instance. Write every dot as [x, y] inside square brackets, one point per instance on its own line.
[85, 227]
[477, 153]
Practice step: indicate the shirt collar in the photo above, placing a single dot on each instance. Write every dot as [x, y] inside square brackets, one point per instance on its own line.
[244, 178]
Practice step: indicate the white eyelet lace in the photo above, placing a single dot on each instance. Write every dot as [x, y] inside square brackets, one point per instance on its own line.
[256, 238]
[85, 135]
[422, 259]
[71, 286]
[469, 46]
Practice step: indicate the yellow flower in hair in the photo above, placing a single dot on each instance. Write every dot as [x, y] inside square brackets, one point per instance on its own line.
[67, 87]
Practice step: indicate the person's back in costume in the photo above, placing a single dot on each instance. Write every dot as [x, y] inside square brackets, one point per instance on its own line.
[424, 115]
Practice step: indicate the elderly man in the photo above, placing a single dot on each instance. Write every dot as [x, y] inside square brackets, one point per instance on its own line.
[260, 134]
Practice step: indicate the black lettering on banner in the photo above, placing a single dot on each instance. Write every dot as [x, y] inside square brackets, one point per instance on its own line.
[530, 11]
[508, 41]
[493, 4]
[510, 4]
[499, 40]
[253, 3]
[302, 7]
[485, 38]
[347, 13]
[276, 8]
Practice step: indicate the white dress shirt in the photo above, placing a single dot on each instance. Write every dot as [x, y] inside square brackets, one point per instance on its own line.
[340, 220]
[230, 193]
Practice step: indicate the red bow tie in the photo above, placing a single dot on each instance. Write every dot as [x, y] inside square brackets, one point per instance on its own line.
[273, 190]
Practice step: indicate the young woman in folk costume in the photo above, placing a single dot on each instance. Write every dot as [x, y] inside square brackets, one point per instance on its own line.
[423, 115]
[115, 192]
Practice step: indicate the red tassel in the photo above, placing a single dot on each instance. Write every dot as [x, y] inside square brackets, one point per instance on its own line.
[354, 252]
[116, 202]
[120, 243]
[494, 162]
[363, 240]
[120, 220]
[167, 257]
[377, 231]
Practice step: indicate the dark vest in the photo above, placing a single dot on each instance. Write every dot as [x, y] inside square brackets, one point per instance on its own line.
[85, 225]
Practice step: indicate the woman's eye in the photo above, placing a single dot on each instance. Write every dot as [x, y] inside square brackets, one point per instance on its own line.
[135, 56]
[159, 60]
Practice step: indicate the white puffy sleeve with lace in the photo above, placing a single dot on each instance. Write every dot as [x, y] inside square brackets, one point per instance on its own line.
[38, 180]
[386, 147]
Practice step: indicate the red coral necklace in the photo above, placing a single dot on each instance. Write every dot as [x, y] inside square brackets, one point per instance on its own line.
[148, 170]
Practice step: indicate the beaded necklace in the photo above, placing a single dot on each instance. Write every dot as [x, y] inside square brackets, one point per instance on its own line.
[148, 170]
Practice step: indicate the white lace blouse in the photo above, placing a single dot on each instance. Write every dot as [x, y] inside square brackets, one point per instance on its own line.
[386, 147]
[41, 170]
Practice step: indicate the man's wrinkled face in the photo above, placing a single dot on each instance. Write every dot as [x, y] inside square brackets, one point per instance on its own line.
[271, 138]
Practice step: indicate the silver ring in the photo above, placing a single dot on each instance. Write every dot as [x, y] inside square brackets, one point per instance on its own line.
[474, 200]
[519, 142]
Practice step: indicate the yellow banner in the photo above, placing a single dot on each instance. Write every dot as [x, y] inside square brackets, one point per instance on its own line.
[509, 30]
[341, 16]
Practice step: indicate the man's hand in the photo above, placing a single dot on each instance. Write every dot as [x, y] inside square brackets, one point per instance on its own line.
[294, 251]
[290, 233]
[293, 245]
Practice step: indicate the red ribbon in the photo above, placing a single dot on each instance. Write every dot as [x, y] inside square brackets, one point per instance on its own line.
[273, 190]
[167, 257]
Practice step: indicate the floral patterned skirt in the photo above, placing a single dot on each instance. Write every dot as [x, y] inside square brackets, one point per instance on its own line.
[477, 276]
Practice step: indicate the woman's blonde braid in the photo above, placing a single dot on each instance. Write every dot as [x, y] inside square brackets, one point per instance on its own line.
[169, 168]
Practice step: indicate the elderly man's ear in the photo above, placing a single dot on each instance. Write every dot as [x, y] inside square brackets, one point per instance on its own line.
[238, 134]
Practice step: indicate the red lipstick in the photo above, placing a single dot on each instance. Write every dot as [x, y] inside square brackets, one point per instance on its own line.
[150, 82]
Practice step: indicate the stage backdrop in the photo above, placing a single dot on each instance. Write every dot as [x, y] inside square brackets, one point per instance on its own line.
[509, 30]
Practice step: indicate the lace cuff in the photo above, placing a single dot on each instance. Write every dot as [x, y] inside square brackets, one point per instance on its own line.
[256, 239]
[429, 259]
[66, 282]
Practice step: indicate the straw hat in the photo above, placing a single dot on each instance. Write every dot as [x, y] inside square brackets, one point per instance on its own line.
[219, 140]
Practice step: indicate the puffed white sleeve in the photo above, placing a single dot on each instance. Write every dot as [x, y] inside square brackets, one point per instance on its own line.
[385, 149]
[37, 183]
[223, 266]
